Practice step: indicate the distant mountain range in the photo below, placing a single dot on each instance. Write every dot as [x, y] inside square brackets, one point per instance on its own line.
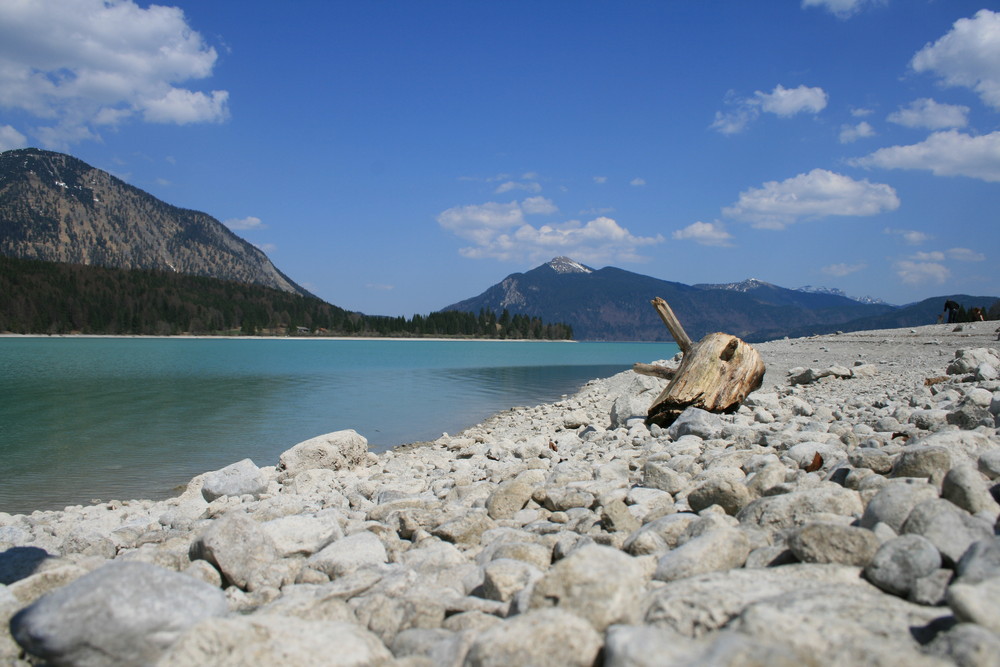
[613, 304]
[56, 208]
[840, 292]
[753, 284]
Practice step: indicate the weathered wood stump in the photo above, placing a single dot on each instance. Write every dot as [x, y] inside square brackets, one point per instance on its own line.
[716, 374]
[662, 372]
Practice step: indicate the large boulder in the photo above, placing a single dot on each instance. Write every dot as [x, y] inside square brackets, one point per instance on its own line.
[335, 451]
[598, 583]
[799, 507]
[968, 360]
[543, 638]
[720, 549]
[241, 550]
[263, 639]
[237, 479]
[124, 613]
[344, 556]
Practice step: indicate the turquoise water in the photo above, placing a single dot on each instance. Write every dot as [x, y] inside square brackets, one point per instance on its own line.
[102, 418]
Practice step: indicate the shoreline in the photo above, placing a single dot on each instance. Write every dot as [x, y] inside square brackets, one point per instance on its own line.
[723, 537]
[341, 338]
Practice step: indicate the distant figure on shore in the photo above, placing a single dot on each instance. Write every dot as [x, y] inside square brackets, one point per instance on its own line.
[976, 315]
[952, 308]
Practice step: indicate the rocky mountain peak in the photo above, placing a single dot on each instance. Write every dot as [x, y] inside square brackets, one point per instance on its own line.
[743, 286]
[567, 265]
[822, 290]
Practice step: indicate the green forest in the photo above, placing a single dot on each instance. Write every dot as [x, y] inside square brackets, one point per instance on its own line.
[51, 298]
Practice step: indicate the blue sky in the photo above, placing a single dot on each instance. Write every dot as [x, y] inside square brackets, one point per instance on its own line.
[396, 157]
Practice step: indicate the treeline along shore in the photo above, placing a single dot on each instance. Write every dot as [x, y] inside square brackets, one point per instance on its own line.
[39, 297]
[845, 514]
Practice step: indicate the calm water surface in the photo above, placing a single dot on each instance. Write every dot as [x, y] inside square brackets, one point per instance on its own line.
[103, 418]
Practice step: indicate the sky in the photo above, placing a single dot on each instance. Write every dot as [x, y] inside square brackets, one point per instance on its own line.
[396, 157]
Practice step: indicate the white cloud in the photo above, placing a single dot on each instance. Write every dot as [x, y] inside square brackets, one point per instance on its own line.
[249, 222]
[861, 112]
[956, 254]
[11, 138]
[968, 56]
[927, 267]
[185, 106]
[911, 236]
[380, 287]
[949, 153]
[538, 206]
[927, 113]
[705, 233]
[842, 9]
[851, 133]
[817, 194]
[481, 223]
[507, 186]
[637, 182]
[918, 273]
[79, 65]
[790, 101]
[781, 101]
[501, 231]
[736, 120]
[265, 247]
[965, 255]
[843, 269]
[600, 179]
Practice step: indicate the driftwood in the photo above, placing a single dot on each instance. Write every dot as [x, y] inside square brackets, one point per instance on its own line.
[715, 374]
[673, 324]
[662, 372]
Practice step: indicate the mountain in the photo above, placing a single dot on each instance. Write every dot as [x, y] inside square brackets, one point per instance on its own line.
[613, 304]
[911, 315]
[56, 208]
[840, 292]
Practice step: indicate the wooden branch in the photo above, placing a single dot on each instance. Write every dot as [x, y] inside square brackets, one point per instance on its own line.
[663, 372]
[673, 324]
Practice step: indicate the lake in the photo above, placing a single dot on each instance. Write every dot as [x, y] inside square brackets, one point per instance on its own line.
[85, 419]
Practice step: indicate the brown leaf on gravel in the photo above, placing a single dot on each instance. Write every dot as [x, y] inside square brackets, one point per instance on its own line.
[935, 380]
[816, 464]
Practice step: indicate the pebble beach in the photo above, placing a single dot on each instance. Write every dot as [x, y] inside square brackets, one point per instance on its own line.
[846, 514]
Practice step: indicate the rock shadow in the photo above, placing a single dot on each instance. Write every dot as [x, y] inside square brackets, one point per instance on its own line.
[17, 563]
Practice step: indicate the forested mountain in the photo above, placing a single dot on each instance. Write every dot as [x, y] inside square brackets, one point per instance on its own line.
[54, 298]
[56, 208]
[613, 304]
[916, 314]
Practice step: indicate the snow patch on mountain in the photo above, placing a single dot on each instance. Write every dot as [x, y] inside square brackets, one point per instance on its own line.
[839, 292]
[742, 286]
[567, 265]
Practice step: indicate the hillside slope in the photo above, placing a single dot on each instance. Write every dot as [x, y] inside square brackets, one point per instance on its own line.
[56, 208]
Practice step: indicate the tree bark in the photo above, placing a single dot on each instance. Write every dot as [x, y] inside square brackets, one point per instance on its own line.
[662, 372]
[716, 374]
